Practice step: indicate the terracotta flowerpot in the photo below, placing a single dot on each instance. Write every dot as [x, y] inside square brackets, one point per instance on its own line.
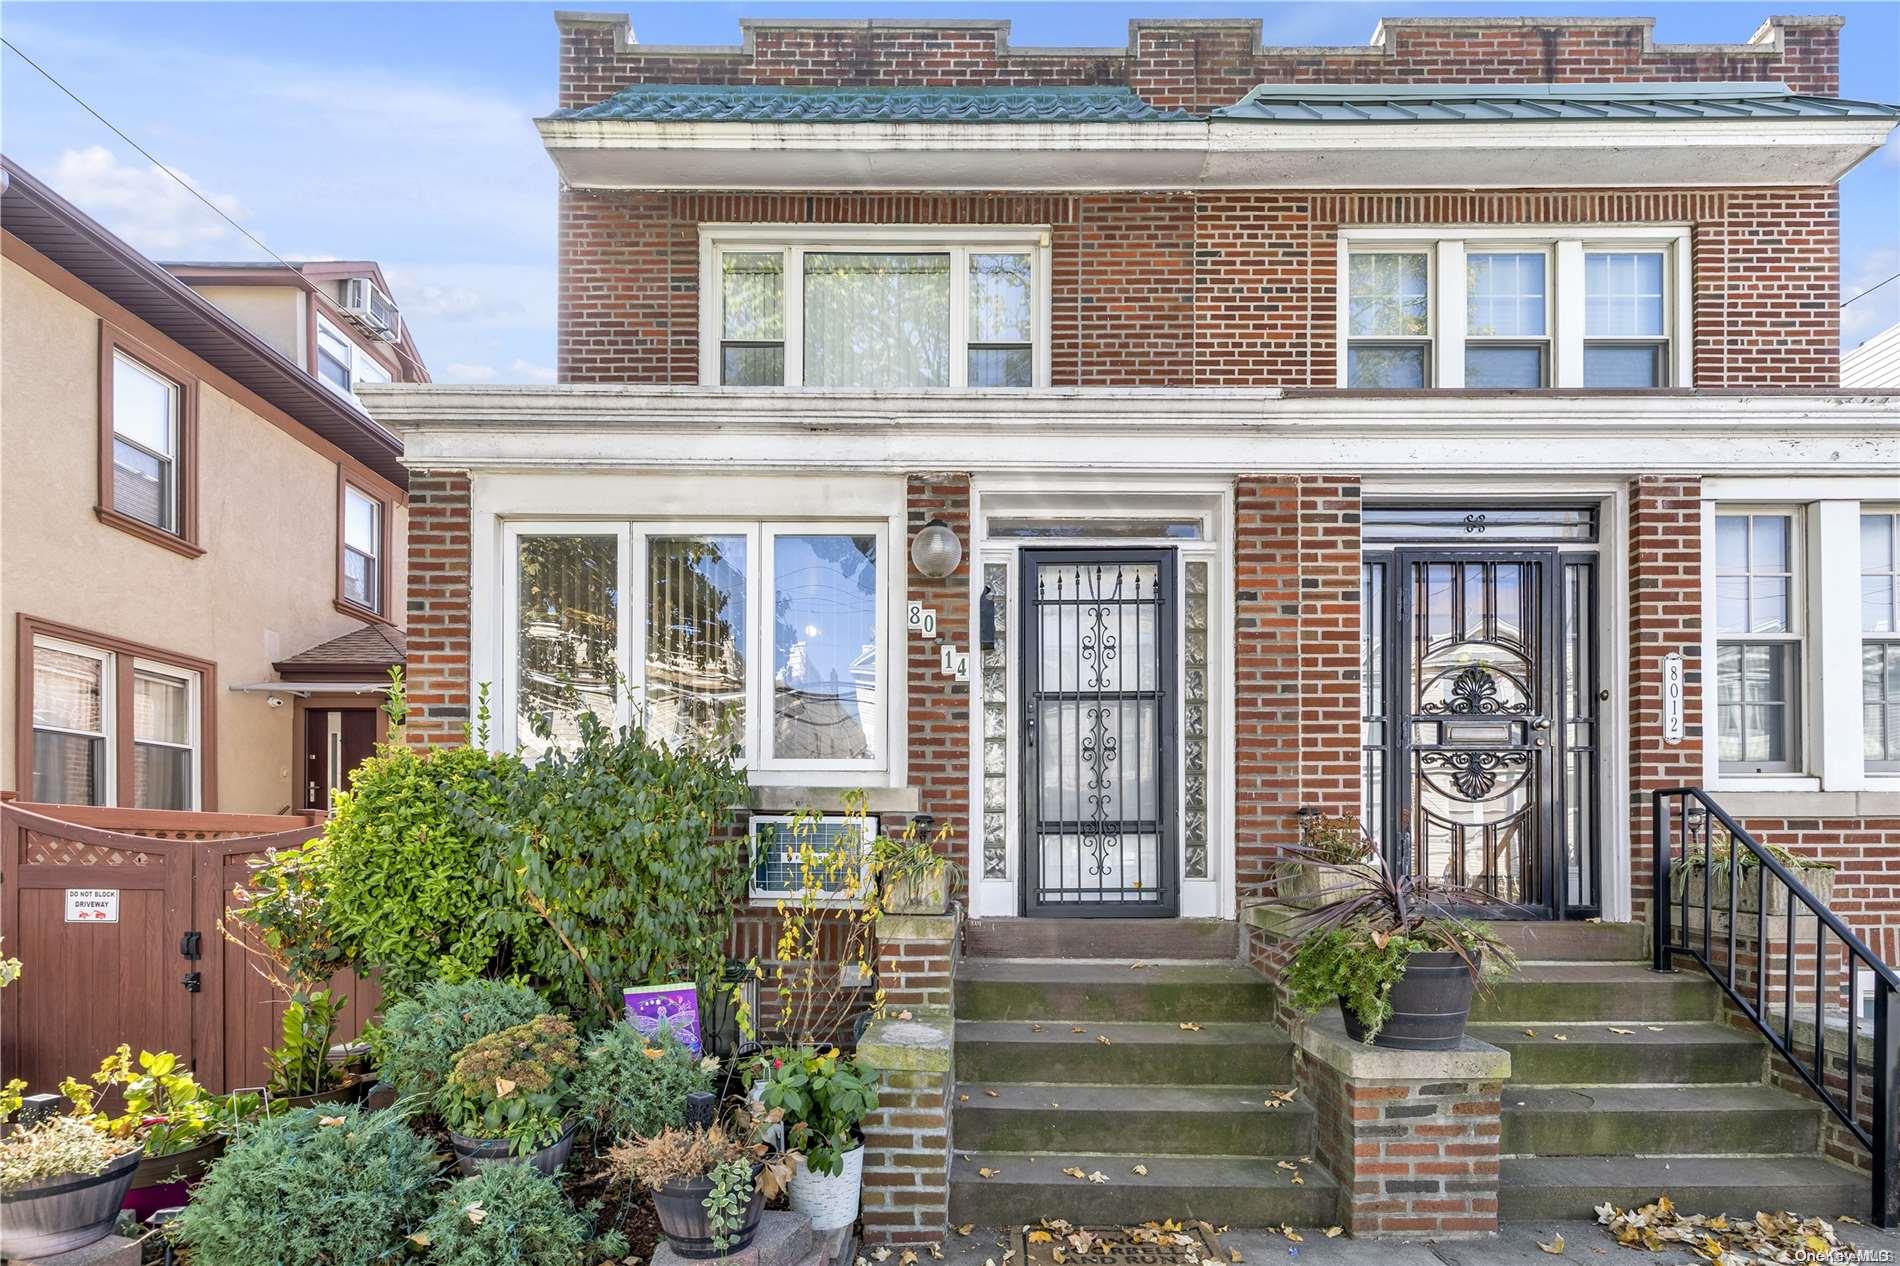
[688, 1228]
[66, 1212]
[1430, 1004]
[472, 1154]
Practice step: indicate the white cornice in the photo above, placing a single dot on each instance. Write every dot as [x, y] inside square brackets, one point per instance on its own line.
[1179, 431]
[1217, 154]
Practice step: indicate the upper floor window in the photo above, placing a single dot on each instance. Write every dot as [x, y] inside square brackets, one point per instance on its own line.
[1514, 307]
[336, 357]
[147, 415]
[875, 309]
[360, 548]
[1880, 639]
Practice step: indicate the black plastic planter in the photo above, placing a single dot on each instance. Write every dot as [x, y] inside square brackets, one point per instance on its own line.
[1430, 1004]
[683, 1217]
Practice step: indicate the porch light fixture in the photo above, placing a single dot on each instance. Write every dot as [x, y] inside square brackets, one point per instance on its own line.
[935, 551]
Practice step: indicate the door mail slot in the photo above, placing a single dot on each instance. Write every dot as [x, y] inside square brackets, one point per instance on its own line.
[1479, 733]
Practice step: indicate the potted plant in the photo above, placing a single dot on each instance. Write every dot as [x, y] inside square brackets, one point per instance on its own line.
[1689, 876]
[62, 1182]
[513, 1094]
[913, 877]
[1399, 957]
[180, 1123]
[709, 1185]
[1333, 850]
[821, 1098]
[301, 1074]
[633, 1086]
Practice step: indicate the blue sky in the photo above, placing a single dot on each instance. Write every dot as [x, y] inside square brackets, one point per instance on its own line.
[402, 132]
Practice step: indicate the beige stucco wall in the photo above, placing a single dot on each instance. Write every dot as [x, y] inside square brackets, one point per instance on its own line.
[273, 313]
[264, 589]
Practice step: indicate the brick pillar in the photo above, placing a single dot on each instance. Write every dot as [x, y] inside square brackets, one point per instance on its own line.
[437, 673]
[1665, 596]
[907, 1140]
[939, 704]
[1412, 1136]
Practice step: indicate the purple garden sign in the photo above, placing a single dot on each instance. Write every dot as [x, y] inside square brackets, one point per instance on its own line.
[676, 1006]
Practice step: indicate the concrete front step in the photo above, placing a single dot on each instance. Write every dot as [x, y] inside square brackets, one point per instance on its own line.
[1581, 992]
[1571, 1187]
[1223, 1190]
[1165, 1120]
[1102, 938]
[1538, 941]
[1056, 989]
[1548, 1053]
[995, 1051]
[1553, 1121]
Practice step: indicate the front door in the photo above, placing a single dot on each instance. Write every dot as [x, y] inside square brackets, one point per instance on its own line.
[1478, 668]
[336, 741]
[1098, 732]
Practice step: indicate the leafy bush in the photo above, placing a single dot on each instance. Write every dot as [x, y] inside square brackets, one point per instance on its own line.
[59, 1145]
[421, 1035]
[511, 1215]
[164, 1104]
[517, 1084]
[824, 1098]
[608, 867]
[406, 890]
[313, 1188]
[631, 1085]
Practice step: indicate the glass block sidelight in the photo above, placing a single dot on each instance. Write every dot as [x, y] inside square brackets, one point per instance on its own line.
[995, 686]
[1194, 722]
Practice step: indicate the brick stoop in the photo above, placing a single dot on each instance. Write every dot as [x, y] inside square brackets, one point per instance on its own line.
[1675, 1105]
[1066, 1064]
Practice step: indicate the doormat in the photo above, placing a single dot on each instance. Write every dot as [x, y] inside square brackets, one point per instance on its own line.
[1167, 1243]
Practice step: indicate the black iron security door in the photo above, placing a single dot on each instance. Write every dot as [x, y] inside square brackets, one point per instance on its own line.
[1098, 732]
[1479, 675]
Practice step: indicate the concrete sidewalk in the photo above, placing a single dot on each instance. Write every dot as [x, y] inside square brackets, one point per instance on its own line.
[1516, 1243]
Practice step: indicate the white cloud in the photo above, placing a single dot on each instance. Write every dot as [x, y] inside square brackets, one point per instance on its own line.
[528, 371]
[520, 370]
[144, 205]
[461, 371]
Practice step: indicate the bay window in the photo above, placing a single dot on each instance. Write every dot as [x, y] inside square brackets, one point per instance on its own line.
[1514, 307]
[875, 309]
[1758, 624]
[768, 636]
[1880, 639]
[113, 723]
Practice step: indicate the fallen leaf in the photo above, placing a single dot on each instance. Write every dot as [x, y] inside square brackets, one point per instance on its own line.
[1136, 966]
[1103, 1040]
[987, 1172]
[963, 1098]
[1076, 1172]
[992, 1094]
[503, 1087]
[1188, 1026]
[1622, 1032]
[1055, 1255]
[1291, 1234]
[1097, 1176]
[1139, 1171]
[474, 1212]
[908, 1258]
[936, 1250]
[331, 1120]
[1078, 1029]
[420, 1239]
[1561, 1037]
[880, 1254]
[1334, 1232]
[653, 1052]
[1654, 1028]
[1530, 1032]
[966, 1228]
[903, 1015]
[1555, 1248]
[1286, 1165]
[1035, 1028]
[1233, 1255]
[1041, 1237]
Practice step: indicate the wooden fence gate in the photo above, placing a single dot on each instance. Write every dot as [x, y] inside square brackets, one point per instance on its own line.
[114, 915]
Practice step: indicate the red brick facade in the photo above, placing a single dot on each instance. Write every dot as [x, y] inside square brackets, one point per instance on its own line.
[938, 705]
[1209, 289]
[1193, 64]
[438, 608]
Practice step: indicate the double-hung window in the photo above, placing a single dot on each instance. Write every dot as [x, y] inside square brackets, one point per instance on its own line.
[875, 309]
[1880, 639]
[360, 550]
[769, 636]
[335, 357]
[1759, 619]
[1514, 307]
[112, 725]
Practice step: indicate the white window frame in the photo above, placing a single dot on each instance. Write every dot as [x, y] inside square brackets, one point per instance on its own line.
[1797, 736]
[170, 462]
[796, 240]
[326, 329]
[374, 599]
[1434, 318]
[1564, 286]
[1667, 369]
[194, 692]
[1879, 639]
[830, 899]
[1828, 512]
[1546, 343]
[631, 623]
[108, 708]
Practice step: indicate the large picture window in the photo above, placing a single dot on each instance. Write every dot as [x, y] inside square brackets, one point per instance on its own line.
[770, 636]
[884, 309]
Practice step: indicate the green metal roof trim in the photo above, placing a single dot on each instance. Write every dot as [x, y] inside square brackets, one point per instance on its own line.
[746, 103]
[1539, 103]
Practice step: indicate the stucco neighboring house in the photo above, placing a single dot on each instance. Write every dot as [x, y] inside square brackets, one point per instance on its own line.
[202, 560]
[1122, 458]
[1875, 363]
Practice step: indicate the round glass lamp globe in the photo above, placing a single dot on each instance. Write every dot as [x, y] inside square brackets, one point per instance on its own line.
[935, 551]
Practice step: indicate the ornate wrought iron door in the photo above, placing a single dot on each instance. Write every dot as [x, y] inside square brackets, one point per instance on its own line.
[1478, 663]
[1098, 739]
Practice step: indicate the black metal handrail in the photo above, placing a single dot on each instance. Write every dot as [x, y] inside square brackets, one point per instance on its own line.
[1685, 828]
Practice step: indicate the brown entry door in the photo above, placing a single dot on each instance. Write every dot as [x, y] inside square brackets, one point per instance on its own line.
[335, 741]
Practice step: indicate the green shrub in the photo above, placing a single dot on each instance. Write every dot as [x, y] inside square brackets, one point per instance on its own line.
[421, 1035]
[510, 1215]
[610, 866]
[408, 892]
[517, 1084]
[316, 1187]
[632, 1086]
